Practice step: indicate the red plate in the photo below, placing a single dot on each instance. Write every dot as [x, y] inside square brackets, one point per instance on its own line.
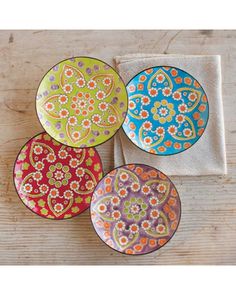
[56, 181]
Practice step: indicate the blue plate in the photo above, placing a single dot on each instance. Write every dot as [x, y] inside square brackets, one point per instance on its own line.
[168, 110]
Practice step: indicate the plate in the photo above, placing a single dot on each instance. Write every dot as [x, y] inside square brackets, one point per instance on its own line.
[135, 209]
[168, 110]
[81, 102]
[56, 181]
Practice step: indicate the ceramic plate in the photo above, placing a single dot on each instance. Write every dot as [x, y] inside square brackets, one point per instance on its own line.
[135, 209]
[81, 102]
[168, 110]
[56, 181]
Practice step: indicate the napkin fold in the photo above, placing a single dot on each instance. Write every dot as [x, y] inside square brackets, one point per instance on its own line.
[207, 156]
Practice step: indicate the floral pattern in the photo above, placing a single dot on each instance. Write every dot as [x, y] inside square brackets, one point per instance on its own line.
[135, 209]
[167, 111]
[56, 181]
[81, 102]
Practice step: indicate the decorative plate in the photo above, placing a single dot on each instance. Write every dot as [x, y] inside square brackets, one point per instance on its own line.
[168, 110]
[135, 209]
[81, 102]
[56, 181]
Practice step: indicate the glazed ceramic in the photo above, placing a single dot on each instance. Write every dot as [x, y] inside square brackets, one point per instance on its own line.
[135, 209]
[56, 181]
[81, 102]
[168, 110]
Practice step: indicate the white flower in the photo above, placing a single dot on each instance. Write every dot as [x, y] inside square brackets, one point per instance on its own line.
[82, 103]
[74, 185]
[115, 201]
[132, 105]
[58, 207]
[103, 106]
[80, 82]
[43, 188]
[27, 188]
[100, 95]
[89, 184]
[38, 149]
[177, 95]
[161, 188]
[86, 123]
[146, 189]
[144, 114]
[92, 84]
[49, 106]
[120, 225]
[135, 186]
[160, 228]
[73, 163]
[96, 118]
[183, 108]
[54, 193]
[134, 228]
[63, 113]
[192, 96]
[154, 214]
[37, 175]
[67, 88]
[124, 176]
[160, 131]
[147, 125]
[72, 121]
[69, 73]
[51, 158]
[122, 192]
[153, 201]
[102, 208]
[123, 240]
[153, 92]
[145, 100]
[106, 81]
[80, 172]
[116, 215]
[134, 209]
[39, 166]
[68, 194]
[111, 119]
[76, 134]
[166, 91]
[172, 129]
[160, 78]
[180, 118]
[163, 111]
[187, 132]
[147, 140]
[59, 175]
[63, 99]
[62, 154]
[146, 224]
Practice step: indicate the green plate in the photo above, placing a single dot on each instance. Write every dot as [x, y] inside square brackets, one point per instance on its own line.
[81, 102]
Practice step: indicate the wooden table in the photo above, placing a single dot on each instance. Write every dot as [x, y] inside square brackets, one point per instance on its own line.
[207, 232]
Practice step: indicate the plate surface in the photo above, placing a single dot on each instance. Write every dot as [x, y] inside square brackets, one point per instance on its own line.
[168, 110]
[81, 102]
[56, 181]
[135, 209]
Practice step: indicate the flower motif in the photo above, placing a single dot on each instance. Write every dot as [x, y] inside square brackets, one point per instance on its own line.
[115, 201]
[148, 140]
[160, 228]
[92, 84]
[180, 118]
[74, 185]
[69, 73]
[27, 188]
[76, 134]
[132, 105]
[82, 104]
[153, 92]
[103, 106]
[80, 172]
[166, 91]
[102, 208]
[49, 106]
[38, 149]
[123, 240]
[39, 166]
[161, 188]
[58, 175]
[146, 189]
[63, 99]
[120, 225]
[145, 100]
[134, 228]
[67, 88]
[111, 119]
[160, 78]
[135, 208]
[72, 121]
[153, 201]
[80, 82]
[100, 95]
[116, 214]
[51, 158]
[74, 162]
[68, 194]
[146, 224]
[58, 207]
[54, 193]
[62, 154]
[183, 108]
[86, 123]
[154, 214]
[177, 95]
[147, 125]
[172, 129]
[160, 131]
[135, 186]
[124, 176]
[96, 119]
[122, 192]
[106, 81]
[144, 114]
[192, 96]
[89, 184]
[163, 111]
[43, 188]
[63, 113]
[37, 175]
[187, 132]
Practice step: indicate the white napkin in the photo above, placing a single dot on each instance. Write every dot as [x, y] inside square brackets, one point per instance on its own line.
[207, 156]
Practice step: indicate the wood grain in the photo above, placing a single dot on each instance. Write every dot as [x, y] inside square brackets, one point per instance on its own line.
[207, 232]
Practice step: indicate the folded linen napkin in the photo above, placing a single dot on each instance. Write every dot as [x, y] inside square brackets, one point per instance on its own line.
[205, 157]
